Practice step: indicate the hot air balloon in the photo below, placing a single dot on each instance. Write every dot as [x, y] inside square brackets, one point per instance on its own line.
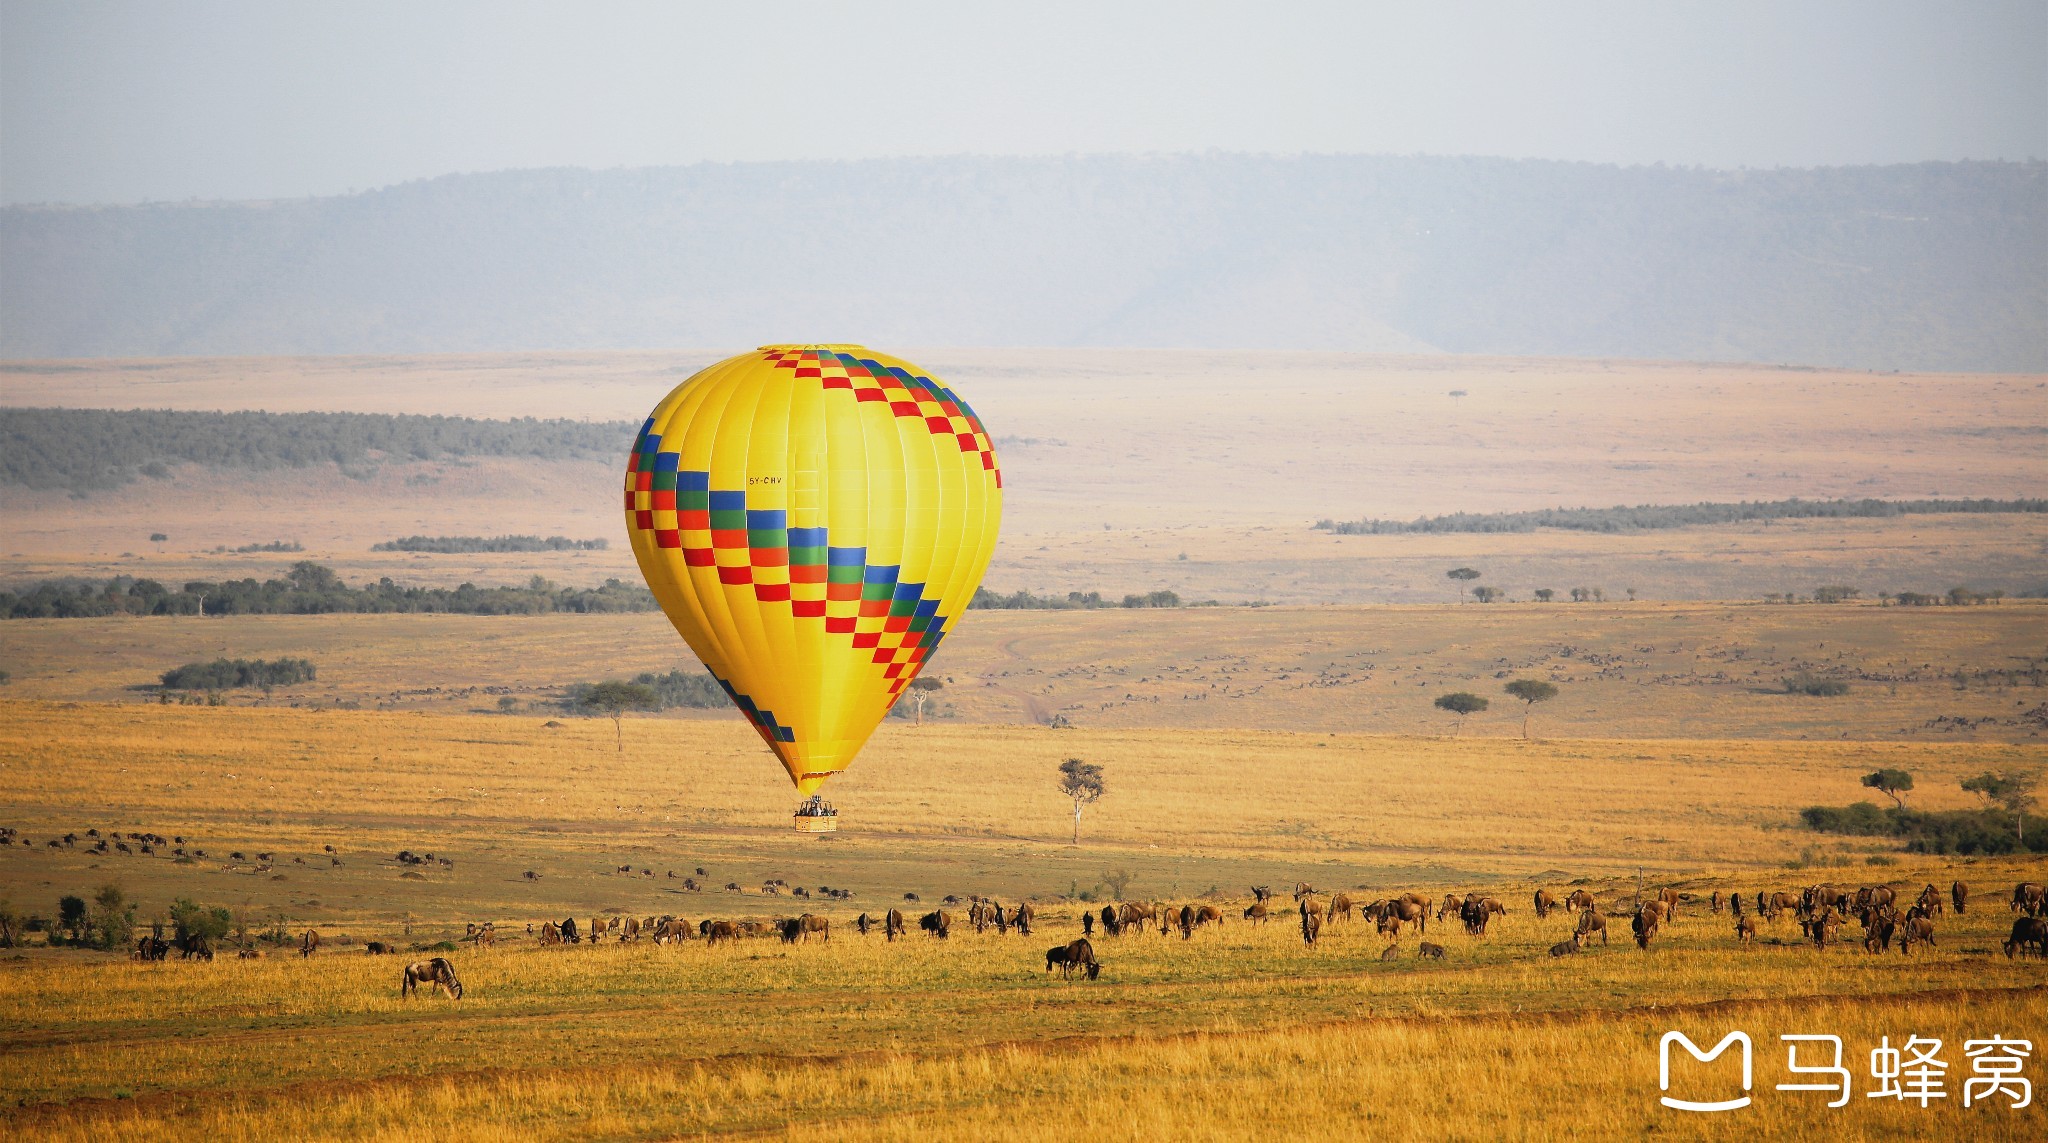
[813, 519]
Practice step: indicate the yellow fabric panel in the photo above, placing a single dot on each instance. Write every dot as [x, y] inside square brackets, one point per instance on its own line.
[813, 519]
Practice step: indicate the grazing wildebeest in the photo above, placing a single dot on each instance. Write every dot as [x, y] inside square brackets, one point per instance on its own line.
[437, 973]
[716, 931]
[1822, 927]
[1136, 914]
[1591, 922]
[1451, 905]
[629, 929]
[1735, 905]
[377, 948]
[892, 924]
[814, 924]
[672, 930]
[937, 922]
[1340, 907]
[2027, 933]
[309, 943]
[1929, 902]
[1075, 954]
[1261, 892]
[1430, 949]
[1912, 931]
[1776, 904]
[1311, 924]
[152, 949]
[1208, 915]
[1256, 912]
[1110, 923]
[1670, 899]
[1544, 903]
[1958, 893]
[1878, 926]
[1580, 900]
[1565, 948]
[1745, 928]
[863, 924]
[1644, 925]
[2030, 898]
[912, 897]
[550, 933]
[569, 932]
[1185, 920]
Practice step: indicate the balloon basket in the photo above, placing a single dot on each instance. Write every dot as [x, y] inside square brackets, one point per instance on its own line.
[816, 816]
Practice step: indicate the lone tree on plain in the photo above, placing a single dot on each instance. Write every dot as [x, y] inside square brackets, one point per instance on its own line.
[2012, 790]
[1531, 692]
[1462, 575]
[1890, 783]
[921, 689]
[1081, 781]
[615, 697]
[1461, 703]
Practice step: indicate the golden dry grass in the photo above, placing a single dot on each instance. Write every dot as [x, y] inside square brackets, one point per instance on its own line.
[1239, 1031]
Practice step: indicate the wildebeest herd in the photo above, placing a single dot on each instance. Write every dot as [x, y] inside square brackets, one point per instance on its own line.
[1886, 916]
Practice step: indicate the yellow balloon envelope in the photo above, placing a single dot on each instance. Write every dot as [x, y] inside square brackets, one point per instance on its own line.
[813, 519]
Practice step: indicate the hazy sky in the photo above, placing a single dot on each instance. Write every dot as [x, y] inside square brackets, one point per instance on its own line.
[124, 102]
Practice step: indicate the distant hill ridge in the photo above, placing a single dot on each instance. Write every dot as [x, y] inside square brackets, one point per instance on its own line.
[1924, 266]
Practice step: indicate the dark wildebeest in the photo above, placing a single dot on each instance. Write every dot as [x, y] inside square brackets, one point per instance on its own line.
[716, 931]
[377, 948]
[1022, 916]
[1565, 948]
[152, 949]
[1580, 900]
[1823, 926]
[791, 929]
[1644, 924]
[1407, 909]
[1735, 905]
[1544, 903]
[2027, 933]
[569, 932]
[1591, 922]
[1311, 924]
[309, 943]
[195, 946]
[1087, 923]
[1256, 912]
[2030, 898]
[1185, 919]
[1261, 893]
[1878, 927]
[937, 922]
[863, 923]
[1431, 950]
[1912, 931]
[436, 973]
[1110, 924]
[1073, 955]
[1745, 928]
[1958, 893]
[892, 924]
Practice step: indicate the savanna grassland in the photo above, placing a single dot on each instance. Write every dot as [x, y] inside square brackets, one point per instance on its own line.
[858, 1036]
[1625, 670]
[1241, 746]
[1201, 472]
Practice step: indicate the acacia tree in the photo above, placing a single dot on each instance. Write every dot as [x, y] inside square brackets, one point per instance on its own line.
[1461, 703]
[1462, 575]
[1531, 692]
[615, 697]
[921, 689]
[1081, 781]
[2013, 790]
[1890, 783]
